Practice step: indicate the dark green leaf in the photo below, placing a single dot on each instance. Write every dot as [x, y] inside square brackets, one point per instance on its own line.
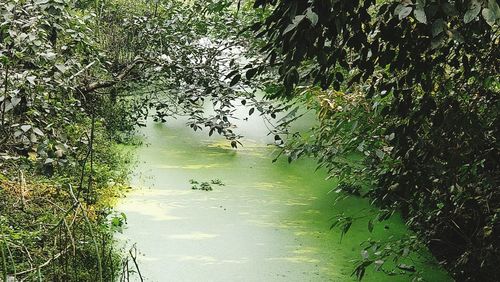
[235, 80]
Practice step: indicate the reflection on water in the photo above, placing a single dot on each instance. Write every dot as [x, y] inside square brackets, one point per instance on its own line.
[270, 222]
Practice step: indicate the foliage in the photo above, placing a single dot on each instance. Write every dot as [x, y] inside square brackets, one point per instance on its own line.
[182, 44]
[53, 136]
[424, 131]
[69, 72]
[50, 235]
[406, 93]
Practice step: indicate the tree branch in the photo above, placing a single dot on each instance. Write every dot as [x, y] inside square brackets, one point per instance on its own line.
[108, 83]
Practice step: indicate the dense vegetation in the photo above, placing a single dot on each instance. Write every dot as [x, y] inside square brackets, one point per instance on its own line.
[406, 93]
[412, 87]
[58, 175]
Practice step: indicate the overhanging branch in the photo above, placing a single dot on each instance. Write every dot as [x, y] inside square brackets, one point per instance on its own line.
[108, 83]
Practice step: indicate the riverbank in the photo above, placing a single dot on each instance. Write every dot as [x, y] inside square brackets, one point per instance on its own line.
[60, 226]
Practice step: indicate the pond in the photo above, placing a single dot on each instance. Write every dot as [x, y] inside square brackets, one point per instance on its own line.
[269, 222]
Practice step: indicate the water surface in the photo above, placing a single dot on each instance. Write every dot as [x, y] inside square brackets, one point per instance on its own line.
[270, 222]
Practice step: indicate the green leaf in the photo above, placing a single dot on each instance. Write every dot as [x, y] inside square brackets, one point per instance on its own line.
[289, 28]
[370, 225]
[420, 15]
[232, 73]
[437, 27]
[294, 24]
[489, 16]
[398, 9]
[449, 9]
[25, 127]
[404, 12]
[457, 36]
[251, 73]
[38, 131]
[494, 7]
[472, 13]
[379, 154]
[31, 79]
[312, 16]
[235, 80]
[339, 76]
[62, 68]
[438, 41]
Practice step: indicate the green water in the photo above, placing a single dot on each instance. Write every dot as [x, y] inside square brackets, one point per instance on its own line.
[270, 222]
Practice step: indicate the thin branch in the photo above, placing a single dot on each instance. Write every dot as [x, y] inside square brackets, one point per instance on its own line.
[82, 70]
[134, 259]
[108, 83]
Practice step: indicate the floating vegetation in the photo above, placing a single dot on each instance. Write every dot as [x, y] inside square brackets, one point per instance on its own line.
[205, 185]
[217, 182]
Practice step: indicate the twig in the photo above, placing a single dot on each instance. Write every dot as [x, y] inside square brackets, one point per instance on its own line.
[70, 237]
[134, 259]
[4, 260]
[11, 260]
[30, 259]
[43, 264]
[82, 70]
[22, 183]
[91, 149]
[99, 262]
[6, 85]
[105, 84]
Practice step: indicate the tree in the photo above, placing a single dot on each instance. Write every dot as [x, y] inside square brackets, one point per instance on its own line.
[428, 126]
